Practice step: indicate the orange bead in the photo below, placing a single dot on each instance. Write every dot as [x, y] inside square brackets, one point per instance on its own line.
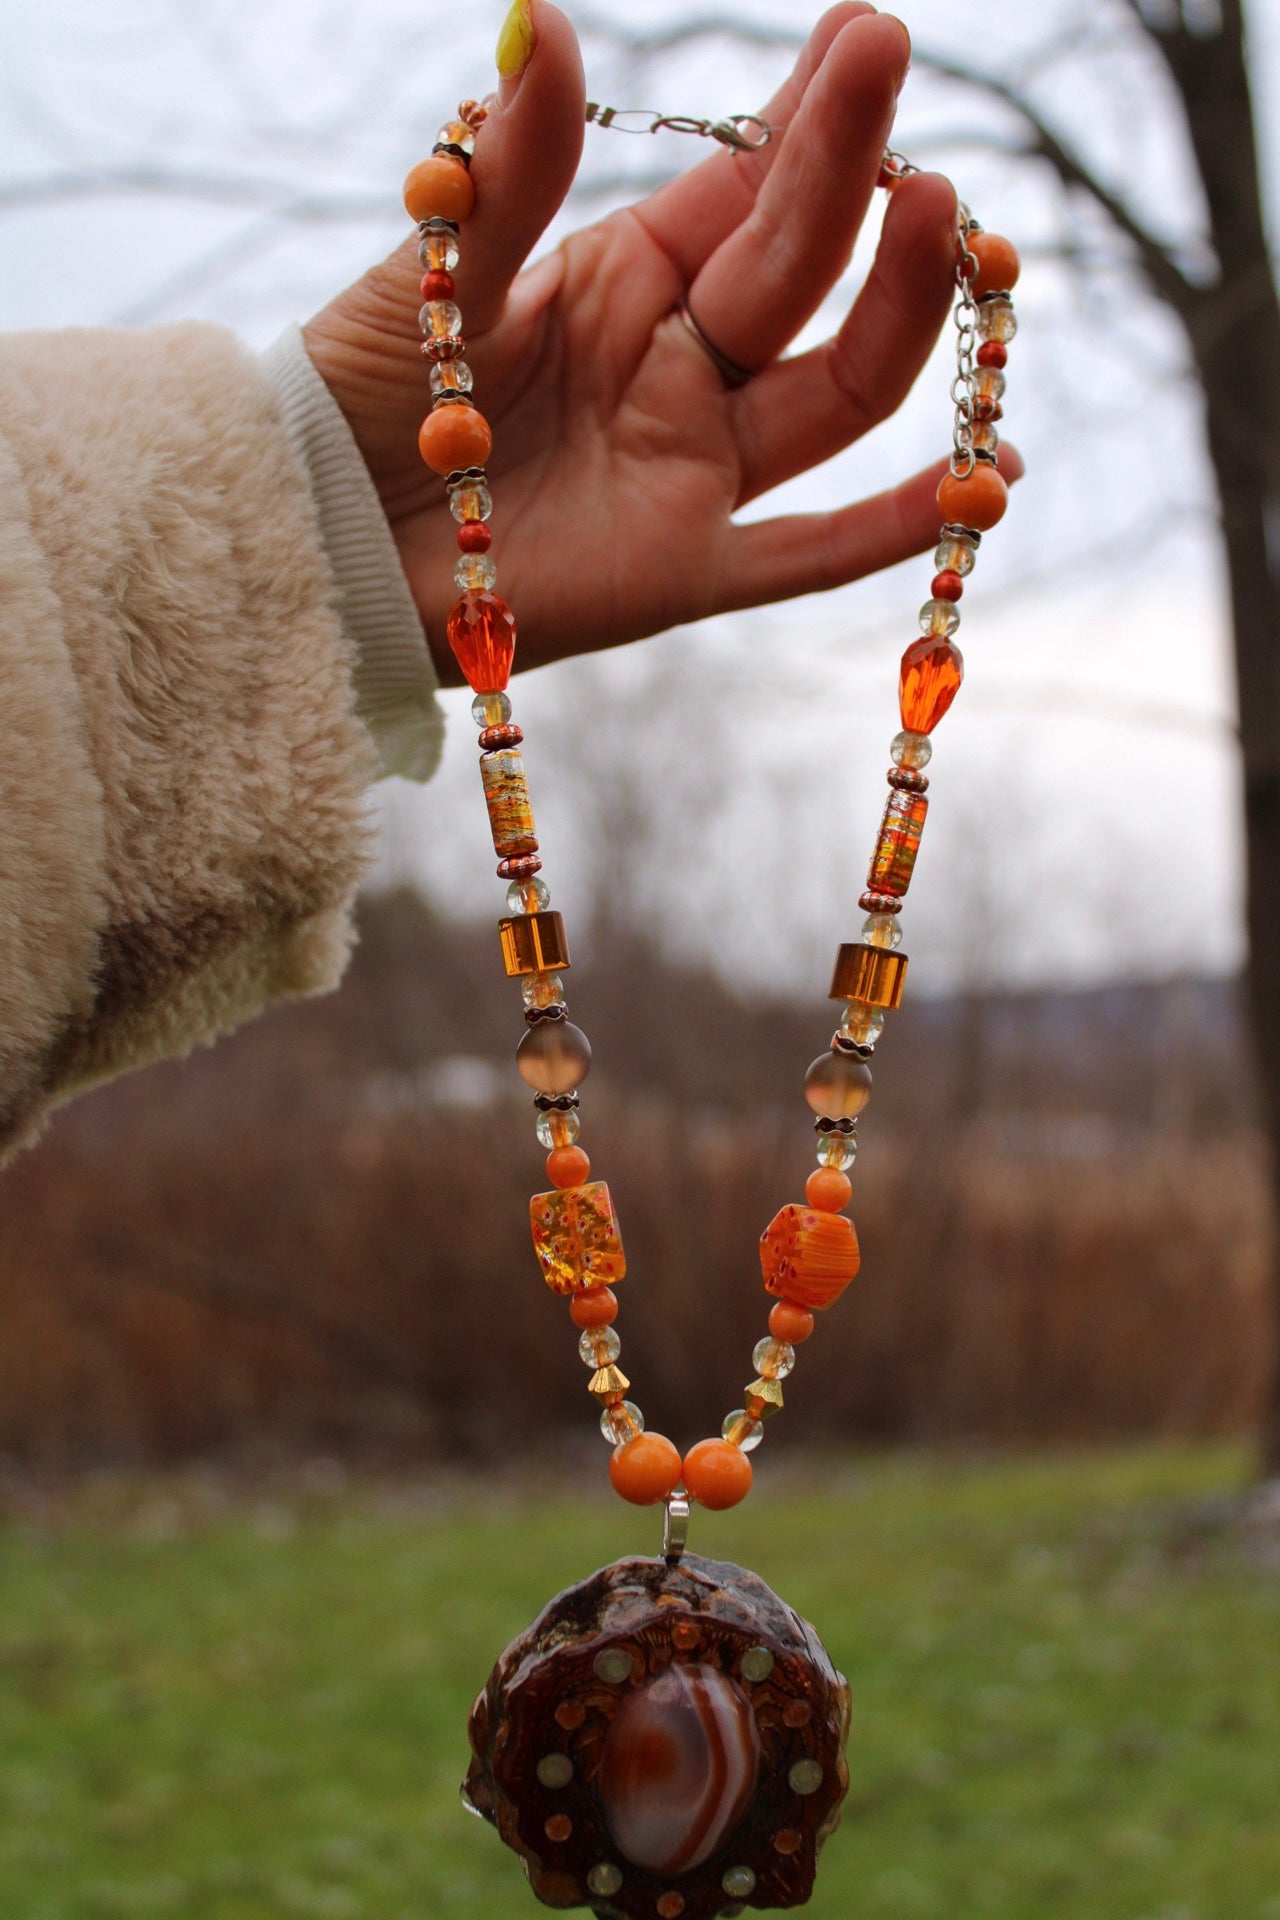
[482, 632]
[929, 680]
[976, 499]
[596, 1308]
[440, 188]
[453, 437]
[791, 1322]
[645, 1470]
[717, 1474]
[567, 1166]
[998, 264]
[829, 1189]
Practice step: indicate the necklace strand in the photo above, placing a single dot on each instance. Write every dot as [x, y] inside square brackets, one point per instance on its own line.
[809, 1252]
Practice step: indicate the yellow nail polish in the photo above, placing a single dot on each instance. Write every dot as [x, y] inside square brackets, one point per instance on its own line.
[515, 41]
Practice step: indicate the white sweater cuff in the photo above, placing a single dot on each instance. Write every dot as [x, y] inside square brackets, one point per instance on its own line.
[395, 678]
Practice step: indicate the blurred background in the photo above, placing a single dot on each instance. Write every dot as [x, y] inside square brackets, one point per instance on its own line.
[276, 1359]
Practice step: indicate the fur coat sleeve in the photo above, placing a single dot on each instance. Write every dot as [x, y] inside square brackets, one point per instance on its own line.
[182, 769]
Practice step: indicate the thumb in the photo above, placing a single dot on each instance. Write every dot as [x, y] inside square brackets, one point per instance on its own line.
[526, 156]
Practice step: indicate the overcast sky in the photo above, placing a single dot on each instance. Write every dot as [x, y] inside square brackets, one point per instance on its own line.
[1085, 785]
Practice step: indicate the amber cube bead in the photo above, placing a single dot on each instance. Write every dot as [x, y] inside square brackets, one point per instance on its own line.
[533, 943]
[893, 862]
[808, 1256]
[874, 975]
[576, 1238]
[507, 798]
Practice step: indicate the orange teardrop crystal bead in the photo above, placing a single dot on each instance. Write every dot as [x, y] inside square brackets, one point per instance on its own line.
[482, 633]
[930, 680]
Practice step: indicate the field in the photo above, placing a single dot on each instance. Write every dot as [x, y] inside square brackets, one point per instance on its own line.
[235, 1703]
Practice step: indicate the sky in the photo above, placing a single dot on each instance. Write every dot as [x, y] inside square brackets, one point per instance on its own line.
[241, 162]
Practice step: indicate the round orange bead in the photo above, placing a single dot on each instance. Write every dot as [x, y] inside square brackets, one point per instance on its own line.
[790, 1321]
[453, 437]
[828, 1189]
[440, 188]
[998, 264]
[597, 1307]
[976, 499]
[717, 1474]
[645, 1470]
[567, 1166]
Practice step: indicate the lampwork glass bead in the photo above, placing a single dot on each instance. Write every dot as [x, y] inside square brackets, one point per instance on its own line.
[599, 1346]
[773, 1358]
[528, 896]
[997, 319]
[491, 709]
[576, 1239]
[474, 573]
[440, 319]
[542, 989]
[451, 376]
[838, 1150]
[898, 843]
[438, 247]
[809, 1257]
[456, 133]
[557, 1129]
[470, 500]
[506, 795]
[928, 681]
[554, 1057]
[838, 1086]
[939, 616]
[955, 554]
[741, 1431]
[482, 633]
[882, 930]
[861, 1023]
[621, 1422]
[914, 750]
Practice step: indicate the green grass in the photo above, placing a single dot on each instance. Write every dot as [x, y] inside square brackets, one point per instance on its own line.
[1066, 1707]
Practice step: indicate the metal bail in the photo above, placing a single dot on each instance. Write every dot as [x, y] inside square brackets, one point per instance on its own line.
[675, 1526]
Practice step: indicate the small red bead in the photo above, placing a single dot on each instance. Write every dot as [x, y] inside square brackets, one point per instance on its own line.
[947, 586]
[474, 537]
[992, 354]
[437, 285]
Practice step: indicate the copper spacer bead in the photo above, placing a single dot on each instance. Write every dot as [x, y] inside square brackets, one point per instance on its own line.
[879, 903]
[450, 346]
[473, 113]
[506, 736]
[907, 780]
[519, 866]
[985, 408]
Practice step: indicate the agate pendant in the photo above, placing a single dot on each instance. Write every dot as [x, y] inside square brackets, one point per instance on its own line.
[665, 1742]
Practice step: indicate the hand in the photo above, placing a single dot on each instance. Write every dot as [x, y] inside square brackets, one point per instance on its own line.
[619, 456]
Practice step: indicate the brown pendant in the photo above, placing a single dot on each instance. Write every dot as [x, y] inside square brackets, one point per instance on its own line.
[666, 1742]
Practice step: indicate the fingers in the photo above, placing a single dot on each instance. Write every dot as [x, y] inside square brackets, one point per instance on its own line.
[763, 282]
[689, 218]
[802, 411]
[526, 156]
[809, 553]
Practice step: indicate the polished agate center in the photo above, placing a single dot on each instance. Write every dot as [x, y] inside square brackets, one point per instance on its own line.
[679, 1768]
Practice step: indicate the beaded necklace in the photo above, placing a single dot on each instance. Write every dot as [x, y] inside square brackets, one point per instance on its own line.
[667, 1738]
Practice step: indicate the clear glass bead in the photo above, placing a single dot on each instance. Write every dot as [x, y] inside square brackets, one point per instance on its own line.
[470, 500]
[440, 319]
[474, 572]
[554, 1057]
[989, 383]
[837, 1086]
[528, 896]
[456, 133]
[940, 616]
[773, 1359]
[997, 319]
[558, 1129]
[955, 555]
[542, 990]
[838, 1150]
[986, 436]
[742, 1431]
[599, 1347]
[621, 1422]
[491, 709]
[882, 930]
[451, 376]
[861, 1023]
[914, 750]
[438, 247]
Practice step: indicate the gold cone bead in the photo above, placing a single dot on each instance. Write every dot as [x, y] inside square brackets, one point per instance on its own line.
[763, 1398]
[608, 1382]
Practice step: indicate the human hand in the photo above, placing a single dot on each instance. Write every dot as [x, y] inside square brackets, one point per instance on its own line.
[620, 454]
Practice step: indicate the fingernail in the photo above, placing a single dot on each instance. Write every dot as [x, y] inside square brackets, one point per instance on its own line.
[906, 34]
[515, 47]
